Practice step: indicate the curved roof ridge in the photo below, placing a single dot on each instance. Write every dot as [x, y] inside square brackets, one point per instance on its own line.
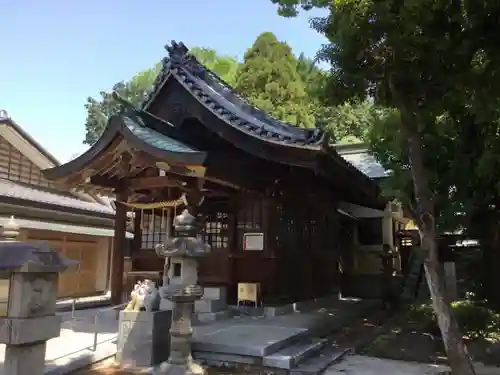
[239, 111]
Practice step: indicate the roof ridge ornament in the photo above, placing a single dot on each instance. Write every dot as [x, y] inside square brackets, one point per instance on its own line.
[4, 115]
[179, 57]
[126, 107]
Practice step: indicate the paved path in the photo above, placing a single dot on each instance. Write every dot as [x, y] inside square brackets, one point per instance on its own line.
[361, 365]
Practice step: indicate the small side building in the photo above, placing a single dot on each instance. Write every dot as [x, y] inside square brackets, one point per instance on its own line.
[77, 224]
[374, 228]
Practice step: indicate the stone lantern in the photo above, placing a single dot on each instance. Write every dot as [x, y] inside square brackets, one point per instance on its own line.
[28, 294]
[183, 290]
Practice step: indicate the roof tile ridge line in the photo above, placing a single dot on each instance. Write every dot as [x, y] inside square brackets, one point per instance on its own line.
[183, 62]
[144, 112]
[159, 82]
[311, 146]
[332, 152]
[242, 98]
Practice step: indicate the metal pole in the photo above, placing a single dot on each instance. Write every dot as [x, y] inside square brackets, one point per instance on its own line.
[96, 320]
[73, 308]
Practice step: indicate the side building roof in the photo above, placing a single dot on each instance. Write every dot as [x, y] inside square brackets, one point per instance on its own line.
[124, 131]
[359, 156]
[27, 194]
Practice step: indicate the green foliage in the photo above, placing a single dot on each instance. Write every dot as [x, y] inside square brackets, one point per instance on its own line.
[100, 110]
[474, 319]
[225, 67]
[350, 122]
[382, 48]
[269, 79]
[314, 78]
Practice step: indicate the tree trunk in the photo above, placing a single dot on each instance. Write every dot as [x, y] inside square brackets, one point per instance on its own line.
[458, 357]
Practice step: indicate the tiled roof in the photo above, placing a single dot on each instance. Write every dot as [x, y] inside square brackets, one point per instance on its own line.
[225, 103]
[31, 193]
[364, 161]
[152, 137]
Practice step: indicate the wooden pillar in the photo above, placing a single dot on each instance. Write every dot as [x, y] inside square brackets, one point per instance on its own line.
[117, 257]
[137, 243]
[168, 233]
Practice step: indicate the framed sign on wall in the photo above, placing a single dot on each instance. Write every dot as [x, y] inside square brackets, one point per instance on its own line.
[253, 241]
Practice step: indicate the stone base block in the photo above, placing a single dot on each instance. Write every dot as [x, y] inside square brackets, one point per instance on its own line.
[143, 338]
[213, 300]
[200, 306]
[215, 292]
[209, 305]
[211, 316]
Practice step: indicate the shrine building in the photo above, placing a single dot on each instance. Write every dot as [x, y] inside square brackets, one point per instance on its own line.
[274, 195]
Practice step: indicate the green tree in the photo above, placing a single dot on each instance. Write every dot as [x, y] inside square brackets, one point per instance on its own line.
[268, 78]
[382, 48]
[100, 110]
[349, 122]
[312, 76]
[225, 67]
[462, 164]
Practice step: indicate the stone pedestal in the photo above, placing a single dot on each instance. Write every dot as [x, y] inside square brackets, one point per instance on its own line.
[28, 278]
[143, 338]
[180, 361]
[214, 300]
[182, 290]
[25, 359]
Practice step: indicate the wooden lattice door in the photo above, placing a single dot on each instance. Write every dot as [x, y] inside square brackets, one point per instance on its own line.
[215, 269]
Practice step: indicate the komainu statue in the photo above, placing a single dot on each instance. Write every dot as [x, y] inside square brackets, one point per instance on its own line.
[145, 296]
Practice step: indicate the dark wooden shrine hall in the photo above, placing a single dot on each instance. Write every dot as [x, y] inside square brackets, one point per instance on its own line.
[195, 134]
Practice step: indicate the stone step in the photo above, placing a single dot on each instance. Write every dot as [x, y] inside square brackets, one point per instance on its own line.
[290, 356]
[200, 306]
[203, 317]
[317, 364]
[209, 305]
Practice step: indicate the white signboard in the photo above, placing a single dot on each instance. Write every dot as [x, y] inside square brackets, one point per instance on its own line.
[253, 241]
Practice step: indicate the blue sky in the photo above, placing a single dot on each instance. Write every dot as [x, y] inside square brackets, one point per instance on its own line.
[56, 53]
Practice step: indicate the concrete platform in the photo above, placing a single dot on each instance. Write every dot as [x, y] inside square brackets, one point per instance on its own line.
[247, 339]
[243, 339]
[283, 341]
[291, 356]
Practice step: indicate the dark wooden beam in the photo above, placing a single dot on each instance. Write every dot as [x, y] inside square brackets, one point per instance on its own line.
[117, 257]
[139, 183]
[105, 181]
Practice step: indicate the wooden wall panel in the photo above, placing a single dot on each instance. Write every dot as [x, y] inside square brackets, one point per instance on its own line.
[78, 281]
[257, 268]
[15, 166]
